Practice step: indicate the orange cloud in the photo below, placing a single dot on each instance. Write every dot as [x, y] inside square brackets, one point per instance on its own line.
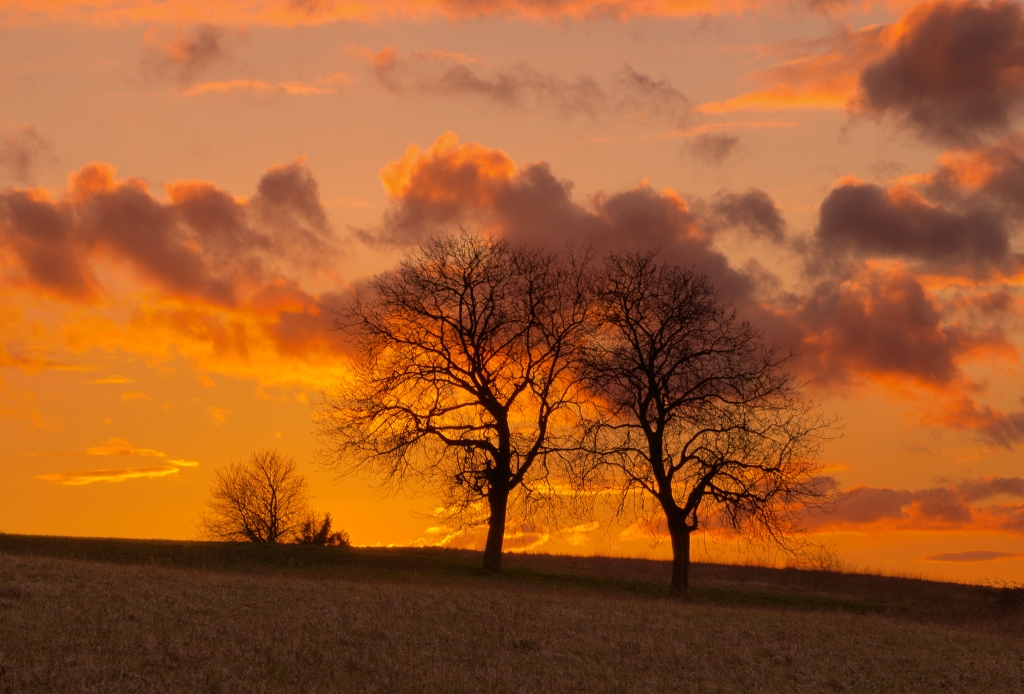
[325, 85]
[202, 244]
[298, 12]
[119, 447]
[79, 478]
[132, 395]
[973, 556]
[112, 380]
[820, 74]
[448, 173]
[951, 507]
[954, 72]
[204, 274]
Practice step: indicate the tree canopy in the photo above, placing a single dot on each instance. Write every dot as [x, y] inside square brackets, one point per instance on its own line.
[702, 425]
[466, 377]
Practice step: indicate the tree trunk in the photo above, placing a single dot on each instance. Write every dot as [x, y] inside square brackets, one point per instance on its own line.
[498, 501]
[680, 535]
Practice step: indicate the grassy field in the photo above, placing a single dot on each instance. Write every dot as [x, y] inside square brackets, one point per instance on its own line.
[90, 615]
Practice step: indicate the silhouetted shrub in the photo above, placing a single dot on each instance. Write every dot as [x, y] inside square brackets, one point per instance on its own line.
[316, 530]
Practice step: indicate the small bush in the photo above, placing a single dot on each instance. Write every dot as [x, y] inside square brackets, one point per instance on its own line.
[316, 530]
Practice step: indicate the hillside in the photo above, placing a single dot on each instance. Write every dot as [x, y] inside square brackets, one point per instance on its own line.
[140, 616]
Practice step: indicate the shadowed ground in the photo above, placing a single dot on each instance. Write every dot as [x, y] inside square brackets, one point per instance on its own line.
[82, 615]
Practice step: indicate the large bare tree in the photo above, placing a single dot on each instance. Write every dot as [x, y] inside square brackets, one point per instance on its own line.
[466, 377]
[702, 424]
[263, 499]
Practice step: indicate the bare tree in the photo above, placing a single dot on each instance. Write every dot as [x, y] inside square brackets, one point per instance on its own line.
[700, 415]
[263, 499]
[465, 378]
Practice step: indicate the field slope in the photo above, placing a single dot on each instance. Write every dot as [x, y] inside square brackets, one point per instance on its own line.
[94, 615]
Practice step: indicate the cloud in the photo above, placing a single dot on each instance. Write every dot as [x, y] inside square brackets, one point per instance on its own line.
[972, 556]
[239, 286]
[79, 478]
[753, 211]
[815, 74]
[329, 84]
[955, 73]
[962, 412]
[449, 183]
[202, 243]
[712, 148]
[441, 73]
[311, 12]
[217, 415]
[952, 71]
[869, 221]
[186, 54]
[646, 96]
[882, 323]
[117, 448]
[112, 380]
[953, 507]
[990, 178]
[133, 395]
[20, 152]
[961, 219]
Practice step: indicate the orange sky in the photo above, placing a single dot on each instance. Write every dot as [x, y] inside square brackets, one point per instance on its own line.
[187, 193]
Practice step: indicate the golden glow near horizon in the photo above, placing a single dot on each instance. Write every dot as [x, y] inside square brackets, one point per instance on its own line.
[188, 191]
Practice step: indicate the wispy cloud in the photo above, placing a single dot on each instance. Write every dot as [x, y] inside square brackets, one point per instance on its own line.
[973, 555]
[77, 478]
[134, 395]
[312, 12]
[954, 507]
[324, 85]
[217, 415]
[441, 73]
[115, 447]
[111, 380]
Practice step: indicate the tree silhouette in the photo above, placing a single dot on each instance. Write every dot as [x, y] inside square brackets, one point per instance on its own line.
[263, 499]
[317, 530]
[465, 379]
[699, 414]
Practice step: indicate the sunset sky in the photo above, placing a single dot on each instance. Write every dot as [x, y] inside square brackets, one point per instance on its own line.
[189, 189]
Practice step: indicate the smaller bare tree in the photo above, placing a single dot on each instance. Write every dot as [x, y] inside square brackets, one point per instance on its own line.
[263, 499]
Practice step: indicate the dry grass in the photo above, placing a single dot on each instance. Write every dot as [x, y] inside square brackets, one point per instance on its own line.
[427, 622]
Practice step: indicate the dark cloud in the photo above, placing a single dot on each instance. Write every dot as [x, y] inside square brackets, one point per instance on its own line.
[961, 219]
[753, 211]
[869, 221]
[934, 508]
[20, 152]
[287, 204]
[711, 148]
[202, 243]
[955, 74]
[1000, 428]
[882, 323]
[646, 96]
[444, 73]
[43, 238]
[188, 53]
[453, 184]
